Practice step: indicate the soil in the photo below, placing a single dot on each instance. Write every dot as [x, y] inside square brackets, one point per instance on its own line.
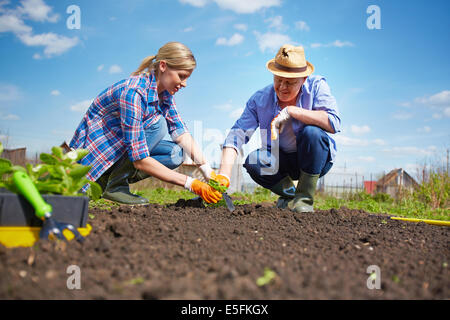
[185, 251]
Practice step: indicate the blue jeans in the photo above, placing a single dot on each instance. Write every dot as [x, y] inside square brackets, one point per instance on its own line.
[166, 152]
[313, 157]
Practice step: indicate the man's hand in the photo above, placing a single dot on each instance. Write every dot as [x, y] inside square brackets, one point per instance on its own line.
[221, 178]
[277, 124]
[205, 191]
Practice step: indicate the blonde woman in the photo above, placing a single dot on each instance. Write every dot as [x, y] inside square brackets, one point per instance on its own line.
[124, 126]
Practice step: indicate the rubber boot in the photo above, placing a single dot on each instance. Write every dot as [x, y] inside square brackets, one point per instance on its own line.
[304, 194]
[286, 190]
[118, 186]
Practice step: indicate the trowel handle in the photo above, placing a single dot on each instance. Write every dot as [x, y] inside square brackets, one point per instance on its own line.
[31, 193]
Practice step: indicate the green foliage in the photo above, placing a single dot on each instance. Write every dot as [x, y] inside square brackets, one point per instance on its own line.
[268, 276]
[435, 191]
[58, 174]
[216, 185]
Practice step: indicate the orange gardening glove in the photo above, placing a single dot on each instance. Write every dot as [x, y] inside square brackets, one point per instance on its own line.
[209, 194]
[221, 178]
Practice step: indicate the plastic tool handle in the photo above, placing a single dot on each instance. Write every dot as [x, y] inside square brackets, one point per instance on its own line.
[31, 193]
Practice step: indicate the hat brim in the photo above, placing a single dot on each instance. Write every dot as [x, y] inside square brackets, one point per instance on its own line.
[271, 67]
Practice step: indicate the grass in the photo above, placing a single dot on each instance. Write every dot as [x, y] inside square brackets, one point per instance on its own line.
[381, 203]
[407, 207]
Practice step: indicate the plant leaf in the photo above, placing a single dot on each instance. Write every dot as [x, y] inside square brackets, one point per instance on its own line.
[48, 159]
[94, 191]
[57, 152]
[81, 153]
[79, 171]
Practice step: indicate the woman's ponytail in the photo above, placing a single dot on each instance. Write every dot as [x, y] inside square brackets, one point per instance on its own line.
[175, 54]
[146, 65]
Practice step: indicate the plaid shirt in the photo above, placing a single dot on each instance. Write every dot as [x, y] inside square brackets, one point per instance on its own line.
[115, 123]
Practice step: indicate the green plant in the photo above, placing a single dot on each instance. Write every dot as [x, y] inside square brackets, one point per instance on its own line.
[58, 174]
[216, 185]
[268, 276]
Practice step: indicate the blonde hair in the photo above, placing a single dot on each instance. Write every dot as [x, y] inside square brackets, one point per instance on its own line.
[176, 55]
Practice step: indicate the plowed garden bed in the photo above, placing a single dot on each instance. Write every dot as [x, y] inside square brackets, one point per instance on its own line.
[183, 252]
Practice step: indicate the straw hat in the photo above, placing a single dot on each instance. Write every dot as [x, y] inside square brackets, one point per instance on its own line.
[290, 62]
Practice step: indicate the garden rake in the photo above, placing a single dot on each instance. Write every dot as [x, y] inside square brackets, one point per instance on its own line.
[51, 228]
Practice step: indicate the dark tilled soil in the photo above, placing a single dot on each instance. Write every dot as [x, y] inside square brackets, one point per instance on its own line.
[184, 252]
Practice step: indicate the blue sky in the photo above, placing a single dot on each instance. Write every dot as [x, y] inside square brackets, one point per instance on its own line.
[392, 84]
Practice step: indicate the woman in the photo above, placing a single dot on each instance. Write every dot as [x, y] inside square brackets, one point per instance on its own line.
[124, 126]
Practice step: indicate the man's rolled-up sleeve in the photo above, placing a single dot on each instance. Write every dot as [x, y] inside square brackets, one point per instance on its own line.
[243, 128]
[131, 113]
[324, 100]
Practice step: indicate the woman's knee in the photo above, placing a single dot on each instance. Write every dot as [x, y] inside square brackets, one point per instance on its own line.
[176, 156]
[156, 132]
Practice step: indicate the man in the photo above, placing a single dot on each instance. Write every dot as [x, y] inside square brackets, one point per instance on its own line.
[295, 115]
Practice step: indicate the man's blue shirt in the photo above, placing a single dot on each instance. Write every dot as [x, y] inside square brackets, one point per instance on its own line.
[263, 106]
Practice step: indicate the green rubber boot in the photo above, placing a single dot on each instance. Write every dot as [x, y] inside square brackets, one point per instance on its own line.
[286, 190]
[117, 188]
[304, 194]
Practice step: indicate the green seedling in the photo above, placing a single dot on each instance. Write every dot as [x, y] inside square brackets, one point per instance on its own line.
[135, 281]
[216, 185]
[395, 278]
[268, 276]
[58, 173]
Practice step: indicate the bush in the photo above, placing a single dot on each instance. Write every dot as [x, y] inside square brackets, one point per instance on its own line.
[382, 197]
[434, 192]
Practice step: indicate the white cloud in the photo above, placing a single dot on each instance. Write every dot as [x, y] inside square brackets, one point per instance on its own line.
[241, 26]
[115, 69]
[54, 44]
[246, 6]
[12, 23]
[234, 40]
[37, 10]
[402, 116]
[366, 159]
[238, 6]
[440, 102]
[81, 106]
[405, 104]
[351, 142]
[302, 26]
[425, 129]
[360, 130]
[224, 107]
[276, 23]
[9, 92]
[379, 142]
[195, 3]
[415, 151]
[100, 67]
[271, 41]
[336, 44]
[188, 29]
[55, 93]
[235, 114]
[9, 117]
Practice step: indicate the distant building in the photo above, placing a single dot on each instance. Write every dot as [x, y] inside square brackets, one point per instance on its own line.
[16, 156]
[395, 181]
[370, 186]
